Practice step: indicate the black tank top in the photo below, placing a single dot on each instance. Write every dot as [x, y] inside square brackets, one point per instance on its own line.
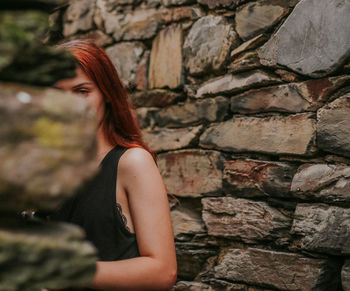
[96, 210]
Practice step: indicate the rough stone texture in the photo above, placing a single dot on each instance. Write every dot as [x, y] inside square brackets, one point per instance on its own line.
[171, 139]
[244, 62]
[78, 16]
[234, 83]
[332, 122]
[192, 257]
[145, 116]
[208, 44]
[182, 172]
[220, 3]
[254, 178]
[292, 97]
[310, 41]
[186, 221]
[126, 57]
[180, 14]
[47, 153]
[213, 109]
[45, 256]
[191, 286]
[242, 219]
[155, 98]
[248, 45]
[294, 134]
[322, 228]
[23, 58]
[345, 276]
[257, 17]
[163, 70]
[98, 36]
[330, 183]
[284, 271]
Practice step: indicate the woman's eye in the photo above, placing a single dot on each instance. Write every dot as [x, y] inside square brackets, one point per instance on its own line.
[82, 91]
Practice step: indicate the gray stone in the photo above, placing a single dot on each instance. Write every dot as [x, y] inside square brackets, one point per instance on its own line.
[314, 40]
[48, 152]
[78, 16]
[97, 35]
[333, 120]
[192, 257]
[281, 270]
[155, 98]
[186, 221]
[164, 139]
[211, 109]
[345, 276]
[145, 116]
[45, 256]
[292, 97]
[163, 70]
[330, 183]
[182, 13]
[254, 178]
[257, 17]
[322, 228]
[234, 83]
[208, 44]
[245, 220]
[248, 45]
[247, 61]
[294, 134]
[126, 57]
[183, 172]
[212, 4]
[168, 3]
[191, 286]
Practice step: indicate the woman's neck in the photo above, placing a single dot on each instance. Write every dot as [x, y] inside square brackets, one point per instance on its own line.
[103, 146]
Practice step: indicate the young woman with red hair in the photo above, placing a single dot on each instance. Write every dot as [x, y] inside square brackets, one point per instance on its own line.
[125, 211]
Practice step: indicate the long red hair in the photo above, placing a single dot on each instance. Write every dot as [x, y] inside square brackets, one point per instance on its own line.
[119, 123]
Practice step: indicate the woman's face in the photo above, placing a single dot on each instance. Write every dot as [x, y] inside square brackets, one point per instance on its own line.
[81, 84]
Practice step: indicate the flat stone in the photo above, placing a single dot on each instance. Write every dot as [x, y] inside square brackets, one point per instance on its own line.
[126, 57]
[333, 122]
[329, 183]
[208, 44]
[244, 220]
[213, 4]
[234, 83]
[191, 286]
[45, 256]
[248, 45]
[255, 178]
[155, 98]
[145, 116]
[193, 257]
[293, 97]
[247, 61]
[313, 41]
[322, 228]
[78, 16]
[165, 139]
[345, 276]
[183, 172]
[98, 36]
[48, 152]
[211, 109]
[165, 71]
[281, 270]
[254, 18]
[294, 134]
[176, 14]
[186, 221]
[141, 73]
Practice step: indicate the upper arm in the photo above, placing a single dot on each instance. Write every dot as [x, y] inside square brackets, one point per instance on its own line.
[148, 204]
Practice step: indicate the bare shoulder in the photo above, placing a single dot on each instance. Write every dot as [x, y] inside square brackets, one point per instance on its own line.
[136, 160]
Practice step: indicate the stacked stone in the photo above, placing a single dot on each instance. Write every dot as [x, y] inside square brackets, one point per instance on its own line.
[247, 105]
[46, 148]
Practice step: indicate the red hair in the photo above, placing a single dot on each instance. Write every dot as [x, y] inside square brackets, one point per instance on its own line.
[119, 123]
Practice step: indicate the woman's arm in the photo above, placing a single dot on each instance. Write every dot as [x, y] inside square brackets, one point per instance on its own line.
[149, 207]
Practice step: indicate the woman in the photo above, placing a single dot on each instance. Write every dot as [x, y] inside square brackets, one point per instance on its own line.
[125, 211]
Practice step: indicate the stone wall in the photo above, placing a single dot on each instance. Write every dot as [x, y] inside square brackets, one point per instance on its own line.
[46, 143]
[247, 104]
